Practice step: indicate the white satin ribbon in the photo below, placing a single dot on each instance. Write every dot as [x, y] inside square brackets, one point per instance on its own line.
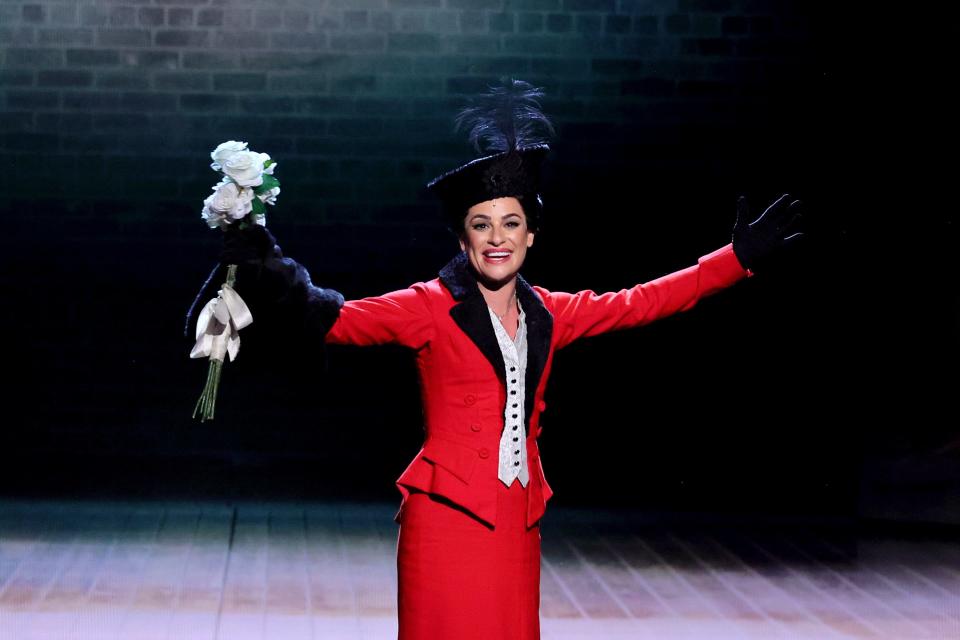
[219, 324]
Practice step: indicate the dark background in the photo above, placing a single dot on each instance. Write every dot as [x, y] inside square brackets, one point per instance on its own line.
[823, 387]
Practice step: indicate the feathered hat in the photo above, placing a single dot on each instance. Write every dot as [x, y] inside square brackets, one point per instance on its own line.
[508, 128]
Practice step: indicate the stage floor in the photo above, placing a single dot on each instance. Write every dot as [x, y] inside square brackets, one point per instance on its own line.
[182, 570]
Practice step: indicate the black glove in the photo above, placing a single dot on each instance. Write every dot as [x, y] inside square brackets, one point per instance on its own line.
[277, 288]
[252, 244]
[756, 241]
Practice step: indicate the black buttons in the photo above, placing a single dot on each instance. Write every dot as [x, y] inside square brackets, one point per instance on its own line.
[513, 393]
[514, 405]
[513, 368]
[514, 428]
[517, 451]
[516, 464]
[514, 415]
[515, 439]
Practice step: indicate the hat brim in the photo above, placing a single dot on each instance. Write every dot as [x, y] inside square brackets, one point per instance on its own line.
[510, 173]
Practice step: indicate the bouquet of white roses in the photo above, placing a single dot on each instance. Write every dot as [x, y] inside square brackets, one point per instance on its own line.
[240, 198]
[247, 186]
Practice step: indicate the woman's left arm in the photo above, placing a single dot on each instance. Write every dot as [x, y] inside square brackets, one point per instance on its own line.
[584, 314]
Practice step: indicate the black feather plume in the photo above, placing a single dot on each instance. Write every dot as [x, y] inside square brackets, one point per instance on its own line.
[507, 118]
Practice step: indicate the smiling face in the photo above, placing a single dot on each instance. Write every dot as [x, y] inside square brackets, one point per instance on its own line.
[496, 238]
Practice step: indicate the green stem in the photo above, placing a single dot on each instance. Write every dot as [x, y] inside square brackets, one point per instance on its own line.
[207, 402]
[208, 399]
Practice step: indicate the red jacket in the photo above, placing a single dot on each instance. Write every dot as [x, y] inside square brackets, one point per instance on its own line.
[446, 322]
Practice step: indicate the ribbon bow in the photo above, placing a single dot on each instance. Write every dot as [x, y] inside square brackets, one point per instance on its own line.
[219, 324]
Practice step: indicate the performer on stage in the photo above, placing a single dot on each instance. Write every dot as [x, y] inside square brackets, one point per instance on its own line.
[468, 556]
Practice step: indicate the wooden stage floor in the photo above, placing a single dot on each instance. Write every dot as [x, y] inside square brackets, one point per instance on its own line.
[207, 570]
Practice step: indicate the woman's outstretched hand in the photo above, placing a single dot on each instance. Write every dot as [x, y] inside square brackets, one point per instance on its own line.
[277, 285]
[253, 244]
[264, 277]
[755, 241]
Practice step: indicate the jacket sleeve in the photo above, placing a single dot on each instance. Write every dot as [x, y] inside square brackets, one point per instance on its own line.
[400, 317]
[585, 313]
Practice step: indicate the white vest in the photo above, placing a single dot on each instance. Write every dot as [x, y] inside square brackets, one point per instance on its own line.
[513, 450]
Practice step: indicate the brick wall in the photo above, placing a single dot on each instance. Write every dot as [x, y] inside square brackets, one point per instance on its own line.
[666, 109]
[122, 100]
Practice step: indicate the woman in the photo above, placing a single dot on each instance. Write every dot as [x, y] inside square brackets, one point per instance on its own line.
[468, 556]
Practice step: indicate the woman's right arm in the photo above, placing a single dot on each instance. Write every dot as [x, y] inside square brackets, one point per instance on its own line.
[282, 286]
[400, 317]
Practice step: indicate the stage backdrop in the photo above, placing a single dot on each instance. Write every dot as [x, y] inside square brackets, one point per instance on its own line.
[767, 398]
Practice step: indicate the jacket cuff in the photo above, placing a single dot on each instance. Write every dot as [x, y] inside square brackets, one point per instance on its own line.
[725, 262]
[322, 309]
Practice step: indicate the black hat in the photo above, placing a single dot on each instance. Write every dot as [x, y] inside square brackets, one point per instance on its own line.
[508, 122]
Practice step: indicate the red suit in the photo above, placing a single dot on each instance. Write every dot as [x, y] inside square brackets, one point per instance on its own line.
[448, 577]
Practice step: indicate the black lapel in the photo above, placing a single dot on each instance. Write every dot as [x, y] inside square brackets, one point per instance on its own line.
[472, 316]
[539, 329]
[470, 313]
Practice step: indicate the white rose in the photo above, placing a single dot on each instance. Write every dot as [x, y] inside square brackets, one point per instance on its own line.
[264, 157]
[224, 197]
[243, 205]
[245, 167]
[228, 201]
[224, 150]
[213, 218]
[270, 197]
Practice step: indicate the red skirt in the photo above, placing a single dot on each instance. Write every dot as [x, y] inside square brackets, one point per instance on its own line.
[458, 578]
